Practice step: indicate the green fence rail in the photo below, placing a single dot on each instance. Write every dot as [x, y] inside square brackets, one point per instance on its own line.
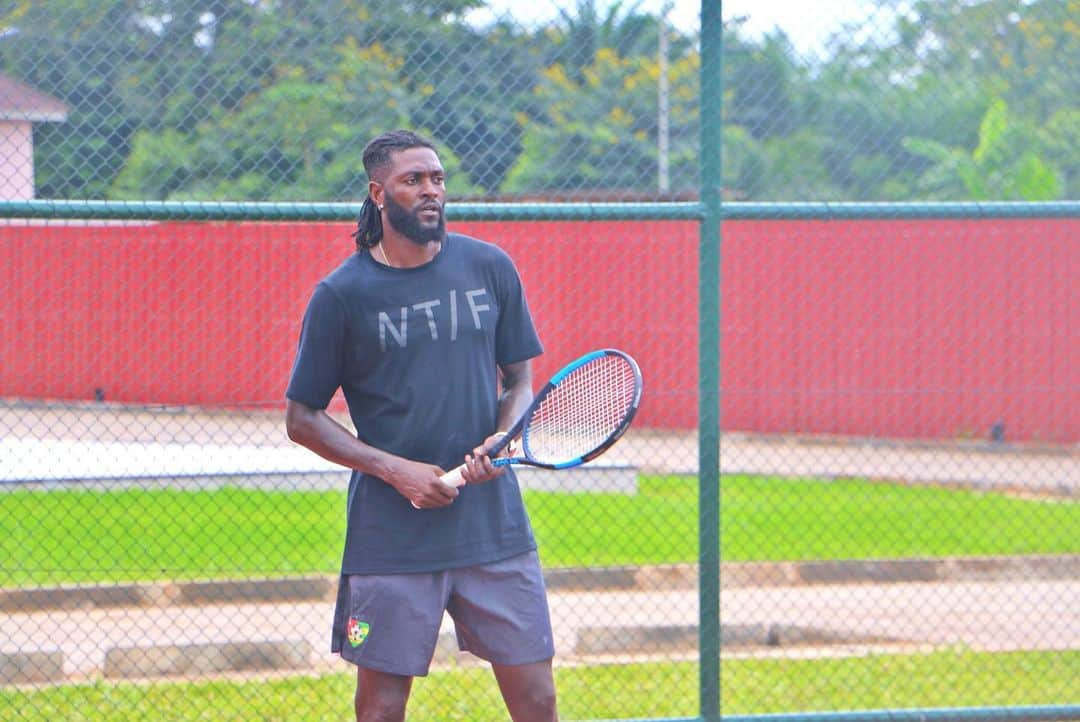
[525, 211]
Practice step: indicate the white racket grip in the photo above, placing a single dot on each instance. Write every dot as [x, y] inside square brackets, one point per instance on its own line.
[454, 477]
[450, 478]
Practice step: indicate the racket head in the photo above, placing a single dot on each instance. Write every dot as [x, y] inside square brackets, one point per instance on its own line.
[584, 409]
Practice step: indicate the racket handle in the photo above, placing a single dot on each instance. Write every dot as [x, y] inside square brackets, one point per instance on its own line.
[453, 477]
[450, 478]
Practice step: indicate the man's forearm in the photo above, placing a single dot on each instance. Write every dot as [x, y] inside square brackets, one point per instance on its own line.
[517, 394]
[512, 404]
[317, 431]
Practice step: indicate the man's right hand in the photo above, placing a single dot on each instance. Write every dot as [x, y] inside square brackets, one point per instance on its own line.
[420, 484]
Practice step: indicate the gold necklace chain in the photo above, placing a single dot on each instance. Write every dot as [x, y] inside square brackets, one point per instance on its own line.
[382, 251]
[386, 261]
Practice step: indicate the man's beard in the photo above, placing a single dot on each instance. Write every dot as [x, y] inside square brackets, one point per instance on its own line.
[408, 224]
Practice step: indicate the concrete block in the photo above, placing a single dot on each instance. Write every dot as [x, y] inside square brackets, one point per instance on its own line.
[647, 639]
[31, 667]
[206, 659]
[299, 589]
[869, 571]
[667, 576]
[106, 596]
[591, 578]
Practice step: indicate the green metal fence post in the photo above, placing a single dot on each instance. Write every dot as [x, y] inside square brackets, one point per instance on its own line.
[709, 361]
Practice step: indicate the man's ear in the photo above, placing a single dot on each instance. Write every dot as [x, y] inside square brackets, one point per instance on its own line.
[376, 191]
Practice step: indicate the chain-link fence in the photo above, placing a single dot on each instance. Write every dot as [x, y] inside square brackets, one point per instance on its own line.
[899, 381]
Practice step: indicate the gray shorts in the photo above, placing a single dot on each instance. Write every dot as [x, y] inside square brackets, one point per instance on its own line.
[390, 622]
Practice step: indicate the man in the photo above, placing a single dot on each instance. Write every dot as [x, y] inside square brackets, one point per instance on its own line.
[420, 328]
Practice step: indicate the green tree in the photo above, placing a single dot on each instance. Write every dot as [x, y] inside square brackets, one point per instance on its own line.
[837, 125]
[580, 33]
[600, 134]
[1005, 165]
[75, 50]
[774, 145]
[999, 70]
[291, 140]
[297, 108]
[238, 99]
[1027, 51]
[195, 79]
[1060, 139]
[765, 84]
[469, 91]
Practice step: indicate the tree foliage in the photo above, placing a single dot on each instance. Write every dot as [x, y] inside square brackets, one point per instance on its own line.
[274, 99]
[1005, 165]
[569, 147]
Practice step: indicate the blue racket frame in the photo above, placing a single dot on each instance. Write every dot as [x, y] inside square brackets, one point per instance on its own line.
[521, 426]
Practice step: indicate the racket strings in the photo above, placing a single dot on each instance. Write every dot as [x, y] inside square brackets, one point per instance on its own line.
[582, 411]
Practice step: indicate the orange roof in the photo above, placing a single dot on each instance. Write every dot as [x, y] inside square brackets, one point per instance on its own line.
[19, 101]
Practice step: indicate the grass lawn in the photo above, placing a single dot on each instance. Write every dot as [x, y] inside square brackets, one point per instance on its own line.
[69, 536]
[950, 678]
[140, 535]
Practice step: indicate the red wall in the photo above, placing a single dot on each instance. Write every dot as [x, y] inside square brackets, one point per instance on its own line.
[903, 328]
[877, 328]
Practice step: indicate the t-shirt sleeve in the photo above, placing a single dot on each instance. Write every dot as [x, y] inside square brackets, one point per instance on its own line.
[516, 338]
[316, 373]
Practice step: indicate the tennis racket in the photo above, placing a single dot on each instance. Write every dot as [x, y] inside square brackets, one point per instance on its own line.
[575, 417]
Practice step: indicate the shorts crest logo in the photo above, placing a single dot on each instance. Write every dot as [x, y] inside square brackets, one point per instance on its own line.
[357, 631]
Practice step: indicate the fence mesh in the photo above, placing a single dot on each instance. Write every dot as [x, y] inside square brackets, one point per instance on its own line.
[899, 467]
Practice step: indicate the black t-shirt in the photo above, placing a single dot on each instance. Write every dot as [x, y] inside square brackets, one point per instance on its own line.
[415, 352]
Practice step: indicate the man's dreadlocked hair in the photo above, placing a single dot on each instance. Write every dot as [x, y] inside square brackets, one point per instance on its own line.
[369, 230]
